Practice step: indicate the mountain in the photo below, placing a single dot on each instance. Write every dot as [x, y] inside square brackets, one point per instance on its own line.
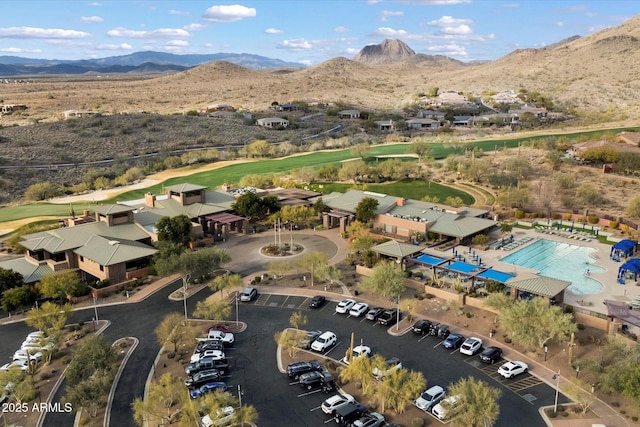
[387, 52]
[138, 62]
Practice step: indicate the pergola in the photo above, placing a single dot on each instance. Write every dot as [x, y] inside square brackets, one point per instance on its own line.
[221, 223]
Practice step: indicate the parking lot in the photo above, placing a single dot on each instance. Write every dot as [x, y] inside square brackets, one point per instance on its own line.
[519, 403]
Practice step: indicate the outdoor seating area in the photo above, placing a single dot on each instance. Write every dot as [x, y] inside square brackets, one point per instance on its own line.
[570, 233]
[517, 243]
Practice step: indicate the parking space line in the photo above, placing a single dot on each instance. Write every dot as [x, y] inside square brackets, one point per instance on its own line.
[524, 384]
[310, 393]
[422, 337]
[304, 305]
[285, 300]
[315, 409]
[331, 349]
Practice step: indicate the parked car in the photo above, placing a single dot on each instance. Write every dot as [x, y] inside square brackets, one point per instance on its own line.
[390, 317]
[421, 327]
[324, 341]
[446, 407]
[453, 341]
[443, 331]
[227, 338]
[209, 345]
[344, 306]
[249, 294]
[331, 403]
[309, 338]
[202, 377]
[207, 388]
[346, 414]
[433, 328]
[372, 419]
[6, 391]
[491, 354]
[294, 370]
[213, 354]
[207, 363]
[22, 364]
[513, 368]
[22, 354]
[358, 351]
[430, 398]
[317, 301]
[317, 379]
[359, 309]
[374, 313]
[37, 345]
[222, 328]
[471, 346]
[223, 417]
[390, 365]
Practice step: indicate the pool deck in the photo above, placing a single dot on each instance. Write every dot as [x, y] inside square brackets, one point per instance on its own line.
[593, 302]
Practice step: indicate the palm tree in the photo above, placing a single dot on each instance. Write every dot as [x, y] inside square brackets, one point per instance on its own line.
[220, 283]
[399, 388]
[360, 370]
[478, 403]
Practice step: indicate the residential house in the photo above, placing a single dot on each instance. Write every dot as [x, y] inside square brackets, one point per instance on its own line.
[221, 107]
[428, 124]
[349, 114]
[288, 107]
[75, 114]
[11, 108]
[385, 125]
[632, 138]
[273, 122]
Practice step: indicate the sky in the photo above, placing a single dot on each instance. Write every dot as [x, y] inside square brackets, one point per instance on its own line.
[302, 31]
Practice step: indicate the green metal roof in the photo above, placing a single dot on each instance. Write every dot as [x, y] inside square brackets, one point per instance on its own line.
[396, 249]
[112, 209]
[31, 272]
[111, 252]
[184, 188]
[538, 285]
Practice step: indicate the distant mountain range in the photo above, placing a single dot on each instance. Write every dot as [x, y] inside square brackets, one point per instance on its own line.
[138, 62]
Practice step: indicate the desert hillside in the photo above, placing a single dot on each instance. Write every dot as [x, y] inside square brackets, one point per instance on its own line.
[595, 72]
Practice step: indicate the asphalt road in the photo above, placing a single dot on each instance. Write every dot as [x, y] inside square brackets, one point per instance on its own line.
[254, 368]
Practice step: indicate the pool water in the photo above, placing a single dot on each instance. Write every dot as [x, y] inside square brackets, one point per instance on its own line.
[562, 261]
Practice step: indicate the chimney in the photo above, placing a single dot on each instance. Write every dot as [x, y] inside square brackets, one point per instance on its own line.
[86, 213]
[150, 200]
[400, 201]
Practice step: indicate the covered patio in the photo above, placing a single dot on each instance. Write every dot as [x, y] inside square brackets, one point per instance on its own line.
[220, 224]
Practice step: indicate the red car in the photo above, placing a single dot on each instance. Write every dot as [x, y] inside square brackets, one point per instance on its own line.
[222, 328]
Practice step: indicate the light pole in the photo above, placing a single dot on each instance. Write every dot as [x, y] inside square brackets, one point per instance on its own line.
[237, 307]
[95, 312]
[185, 279]
[397, 312]
[557, 378]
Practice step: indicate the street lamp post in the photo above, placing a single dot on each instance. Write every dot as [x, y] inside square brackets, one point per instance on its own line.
[557, 378]
[185, 279]
[95, 312]
[397, 312]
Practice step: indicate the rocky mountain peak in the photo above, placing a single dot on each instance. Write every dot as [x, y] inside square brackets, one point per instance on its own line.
[387, 52]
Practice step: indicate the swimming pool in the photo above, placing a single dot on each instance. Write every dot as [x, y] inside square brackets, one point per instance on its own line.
[562, 261]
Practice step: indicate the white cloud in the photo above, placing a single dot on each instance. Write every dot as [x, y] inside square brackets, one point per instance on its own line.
[596, 28]
[229, 13]
[91, 19]
[160, 33]
[351, 51]
[41, 33]
[385, 14]
[114, 46]
[448, 49]
[177, 43]
[452, 26]
[194, 27]
[178, 12]
[295, 45]
[390, 32]
[341, 30]
[19, 50]
[511, 5]
[273, 31]
[559, 24]
[95, 4]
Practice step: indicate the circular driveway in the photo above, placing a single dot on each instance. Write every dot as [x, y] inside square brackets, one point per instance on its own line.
[246, 258]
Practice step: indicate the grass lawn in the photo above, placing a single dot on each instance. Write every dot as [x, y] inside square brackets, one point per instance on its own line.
[409, 189]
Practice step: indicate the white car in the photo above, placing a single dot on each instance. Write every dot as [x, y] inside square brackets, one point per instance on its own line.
[223, 417]
[359, 309]
[324, 341]
[445, 407]
[511, 369]
[22, 364]
[430, 398]
[372, 419]
[25, 354]
[227, 338]
[36, 346]
[35, 336]
[329, 406]
[344, 306]
[471, 346]
[213, 354]
[392, 364]
[358, 351]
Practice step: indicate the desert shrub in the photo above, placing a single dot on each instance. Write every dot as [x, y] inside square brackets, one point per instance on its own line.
[417, 422]
[613, 224]
[568, 308]
[519, 214]
[593, 219]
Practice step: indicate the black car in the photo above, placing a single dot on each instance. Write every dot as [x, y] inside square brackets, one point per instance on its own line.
[317, 379]
[296, 369]
[309, 338]
[203, 377]
[491, 354]
[374, 313]
[443, 331]
[421, 327]
[207, 363]
[317, 301]
[390, 317]
[348, 413]
[209, 345]
[433, 328]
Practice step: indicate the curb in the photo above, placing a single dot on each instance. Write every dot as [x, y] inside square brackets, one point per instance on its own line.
[116, 379]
